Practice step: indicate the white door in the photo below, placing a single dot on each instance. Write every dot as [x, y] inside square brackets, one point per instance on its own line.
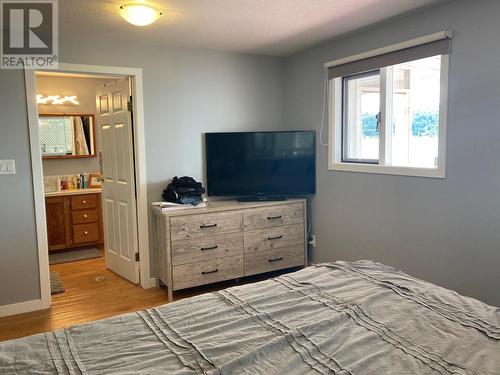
[118, 185]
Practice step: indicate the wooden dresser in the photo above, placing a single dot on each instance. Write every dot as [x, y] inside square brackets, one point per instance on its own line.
[228, 240]
[73, 220]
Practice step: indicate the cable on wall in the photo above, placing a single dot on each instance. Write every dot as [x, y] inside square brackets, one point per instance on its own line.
[325, 98]
[309, 225]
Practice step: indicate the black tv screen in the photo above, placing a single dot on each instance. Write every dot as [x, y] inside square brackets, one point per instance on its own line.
[261, 163]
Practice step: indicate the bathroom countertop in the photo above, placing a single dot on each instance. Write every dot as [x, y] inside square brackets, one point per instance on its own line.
[72, 192]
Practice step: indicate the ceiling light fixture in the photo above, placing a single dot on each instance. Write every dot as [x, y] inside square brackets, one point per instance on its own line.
[56, 99]
[139, 14]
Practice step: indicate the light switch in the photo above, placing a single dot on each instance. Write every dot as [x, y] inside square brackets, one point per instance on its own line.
[7, 167]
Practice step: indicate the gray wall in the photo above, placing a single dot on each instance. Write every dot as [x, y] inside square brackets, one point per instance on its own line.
[84, 89]
[19, 279]
[444, 231]
[186, 92]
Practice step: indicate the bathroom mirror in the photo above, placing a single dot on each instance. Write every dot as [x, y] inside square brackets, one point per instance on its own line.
[67, 136]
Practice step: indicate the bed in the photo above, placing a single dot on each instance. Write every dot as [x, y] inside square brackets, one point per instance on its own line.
[333, 318]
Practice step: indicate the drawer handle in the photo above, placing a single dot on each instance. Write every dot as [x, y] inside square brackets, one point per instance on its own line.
[208, 272]
[209, 248]
[275, 259]
[202, 226]
[85, 216]
[84, 201]
[273, 217]
[274, 238]
[85, 232]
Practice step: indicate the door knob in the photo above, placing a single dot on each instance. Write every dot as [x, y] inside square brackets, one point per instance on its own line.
[86, 232]
[84, 201]
[85, 215]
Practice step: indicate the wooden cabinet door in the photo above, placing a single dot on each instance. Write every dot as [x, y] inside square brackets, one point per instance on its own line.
[58, 222]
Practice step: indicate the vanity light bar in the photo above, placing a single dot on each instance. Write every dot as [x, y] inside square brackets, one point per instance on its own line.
[56, 99]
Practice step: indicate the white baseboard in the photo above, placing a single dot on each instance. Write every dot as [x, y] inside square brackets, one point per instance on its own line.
[21, 307]
[152, 283]
[37, 304]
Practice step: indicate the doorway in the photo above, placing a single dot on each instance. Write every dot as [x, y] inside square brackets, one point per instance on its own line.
[112, 98]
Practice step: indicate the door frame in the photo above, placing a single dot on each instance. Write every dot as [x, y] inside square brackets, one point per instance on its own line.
[146, 281]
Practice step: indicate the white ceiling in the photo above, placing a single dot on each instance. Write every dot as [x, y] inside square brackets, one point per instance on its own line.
[269, 27]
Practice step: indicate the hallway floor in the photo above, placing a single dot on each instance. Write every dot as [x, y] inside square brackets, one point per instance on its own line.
[84, 300]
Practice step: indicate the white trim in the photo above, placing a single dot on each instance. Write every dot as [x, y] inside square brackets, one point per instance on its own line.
[22, 307]
[393, 47]
[386, 169]
[335, 132]
[335, 117]
[387, 92]
[36, 160]
[38, 189]
[382, 136]
[109, 71]
[443, 114]
[141, 181]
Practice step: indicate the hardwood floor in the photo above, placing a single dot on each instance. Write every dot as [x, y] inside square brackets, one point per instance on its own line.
[84, 300]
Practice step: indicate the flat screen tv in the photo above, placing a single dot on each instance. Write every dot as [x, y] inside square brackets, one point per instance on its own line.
[261, 165]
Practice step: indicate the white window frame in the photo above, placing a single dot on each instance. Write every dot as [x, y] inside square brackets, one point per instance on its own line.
[335, 98]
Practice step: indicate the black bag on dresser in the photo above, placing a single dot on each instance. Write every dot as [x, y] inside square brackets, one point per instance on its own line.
[184, 190]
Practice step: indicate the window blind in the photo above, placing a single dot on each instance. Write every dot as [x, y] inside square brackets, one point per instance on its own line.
[438, 47]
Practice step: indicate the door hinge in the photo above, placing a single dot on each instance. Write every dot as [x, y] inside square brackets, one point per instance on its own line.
[129, 106]
[137, 257]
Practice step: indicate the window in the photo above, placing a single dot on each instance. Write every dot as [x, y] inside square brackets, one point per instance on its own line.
[388, 110]
[361, 117]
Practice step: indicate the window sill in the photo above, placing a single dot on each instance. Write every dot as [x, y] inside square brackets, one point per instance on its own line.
[382, 169]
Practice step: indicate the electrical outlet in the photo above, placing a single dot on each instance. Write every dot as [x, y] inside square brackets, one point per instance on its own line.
[312, 240]
[7, 167]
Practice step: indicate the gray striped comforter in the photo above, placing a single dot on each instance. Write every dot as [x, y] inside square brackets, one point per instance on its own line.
[333, 318]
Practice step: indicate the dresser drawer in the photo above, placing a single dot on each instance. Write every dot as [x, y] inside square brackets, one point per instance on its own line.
[273, 238]
[84, 216]
[207, 248]
[194, 274]
[272, 216]
[192, 226]
[83, 233]
[271, 260]
[79, 202]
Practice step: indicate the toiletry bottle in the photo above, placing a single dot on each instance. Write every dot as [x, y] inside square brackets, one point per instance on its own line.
[64, 184]
[85, 180]
[75, 182]
[58, 183]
